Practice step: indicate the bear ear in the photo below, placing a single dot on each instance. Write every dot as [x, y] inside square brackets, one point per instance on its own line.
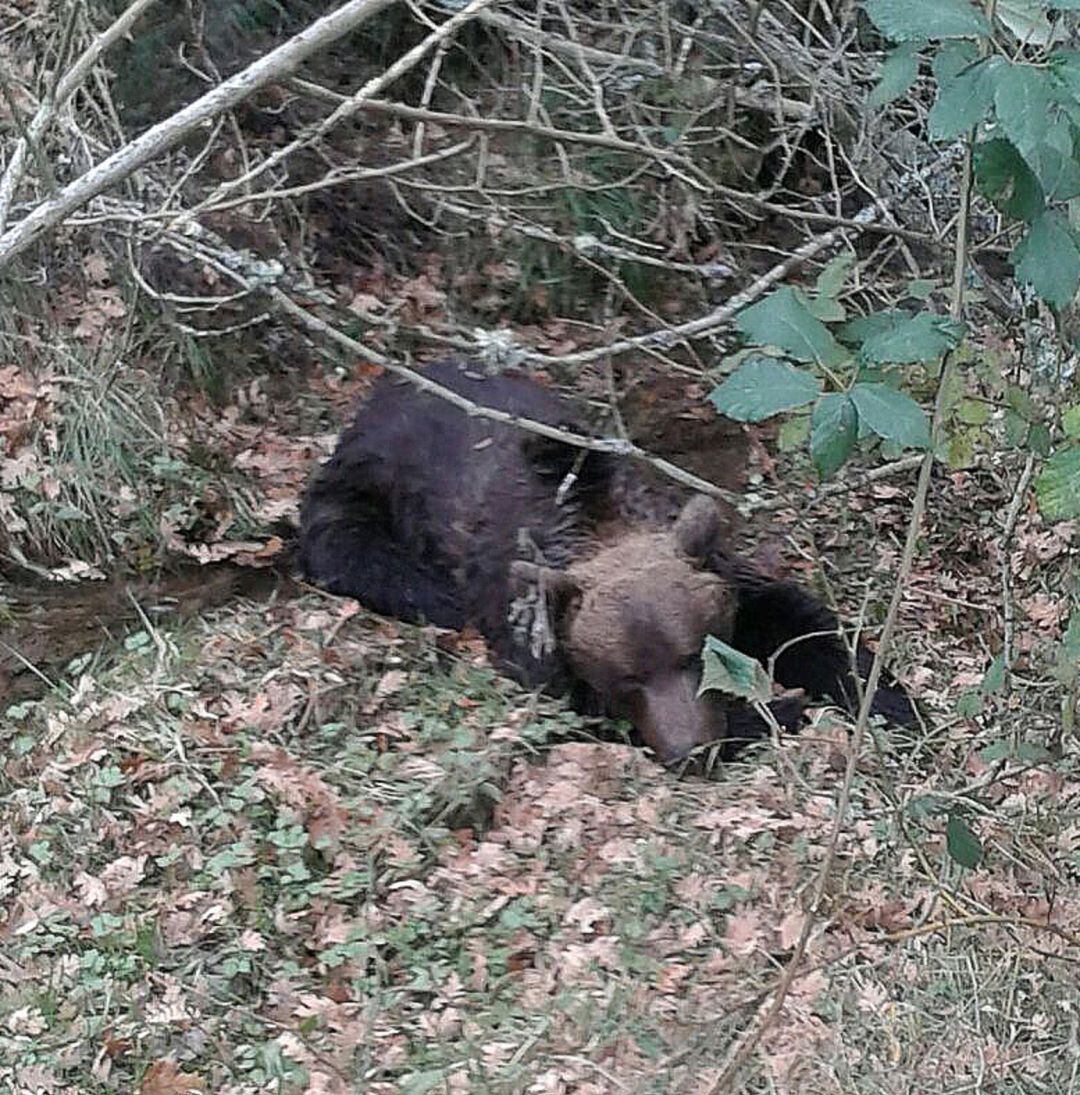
[700, 529]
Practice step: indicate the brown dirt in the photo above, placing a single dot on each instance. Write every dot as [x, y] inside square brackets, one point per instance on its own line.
[46, 626]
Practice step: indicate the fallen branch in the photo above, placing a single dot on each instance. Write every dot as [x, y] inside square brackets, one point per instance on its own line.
[122, 163]
[614, 445]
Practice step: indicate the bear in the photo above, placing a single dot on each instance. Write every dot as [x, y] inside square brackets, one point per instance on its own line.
[584, 576]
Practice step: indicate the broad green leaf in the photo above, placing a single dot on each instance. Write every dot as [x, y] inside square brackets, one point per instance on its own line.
[1003, 176]
[725, 669]
[891, 415]
[1065, 72]
[763, 387]
[1048, 259]
[1070, 421]
[1052, 162]
[833, 431]
[858, 330]
[1022, 103]
[783, 321]
[963, 845]
[1057, 486]
[951, 59]
[923, 337]
[826, 309]
[917, 20]
[830, 282]
[963, 101]
[998, 749]
[897, 75]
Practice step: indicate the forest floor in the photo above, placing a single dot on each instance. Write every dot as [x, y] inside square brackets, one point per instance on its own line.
[285, 845]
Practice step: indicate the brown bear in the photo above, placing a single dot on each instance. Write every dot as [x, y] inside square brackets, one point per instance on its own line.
[582, 575]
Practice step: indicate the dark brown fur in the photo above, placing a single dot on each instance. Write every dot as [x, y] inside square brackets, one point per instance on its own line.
[427, 513]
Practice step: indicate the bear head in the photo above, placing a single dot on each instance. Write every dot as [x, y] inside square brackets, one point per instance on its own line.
[630, 622]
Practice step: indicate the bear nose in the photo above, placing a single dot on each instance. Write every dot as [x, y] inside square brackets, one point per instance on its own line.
[673, 720]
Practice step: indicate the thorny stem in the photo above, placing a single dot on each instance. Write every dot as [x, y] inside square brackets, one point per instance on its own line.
[742, 1051]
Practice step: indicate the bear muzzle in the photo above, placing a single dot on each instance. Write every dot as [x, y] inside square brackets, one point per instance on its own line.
[672, 719]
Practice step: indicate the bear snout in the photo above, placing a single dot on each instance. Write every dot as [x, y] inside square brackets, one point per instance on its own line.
[672, 719]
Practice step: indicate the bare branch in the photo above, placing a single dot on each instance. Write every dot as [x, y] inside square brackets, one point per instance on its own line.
[65, 88]
[122, 163]
[615, 445]
[351, 105]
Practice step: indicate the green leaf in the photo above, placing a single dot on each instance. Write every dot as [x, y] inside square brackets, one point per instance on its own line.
[862, 328]
[1070, 421]
[834, 427]
[1031, 752]
[1067, 666]
[970, 704]
[994, 678]
[891, 415]
[830, 282]
[762, 387]
[973, 412]
[1038, 440]
[783, 321]
[961, 448]
[725, 669]
[919, 338]
[1021, 402]
[897, 75]
[963, 101]
[1053, 163]
[962, 844]
[793, 432]
[920, 288]
[1003, 176]
[998, 749]
[1048, 259]
[1057, 486]
[1016, 429]
[951, 59]
[828, 286]
[1065, 73]
[1022, 102]
[917, 20]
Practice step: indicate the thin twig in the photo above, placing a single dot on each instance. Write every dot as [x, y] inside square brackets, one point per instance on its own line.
[1008, 605]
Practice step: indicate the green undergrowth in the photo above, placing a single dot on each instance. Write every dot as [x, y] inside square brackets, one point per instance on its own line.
[293, 847]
